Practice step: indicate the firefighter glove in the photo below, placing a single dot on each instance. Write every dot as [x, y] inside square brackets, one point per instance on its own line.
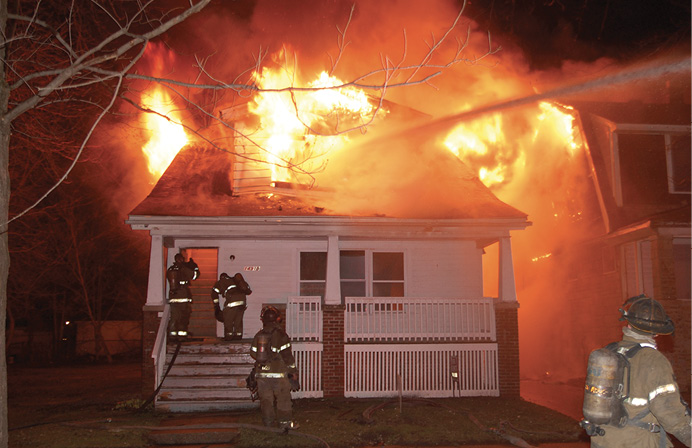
[293, 379]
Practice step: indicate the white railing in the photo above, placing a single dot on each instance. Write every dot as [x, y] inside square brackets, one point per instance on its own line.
[158, 352]
[309, 364]
[421, 370]
[304, 318]
[418, 319]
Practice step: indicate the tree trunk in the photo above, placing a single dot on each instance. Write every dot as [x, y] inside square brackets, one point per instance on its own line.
[4, 212]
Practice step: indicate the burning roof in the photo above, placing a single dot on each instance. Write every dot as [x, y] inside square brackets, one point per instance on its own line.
[198, 183]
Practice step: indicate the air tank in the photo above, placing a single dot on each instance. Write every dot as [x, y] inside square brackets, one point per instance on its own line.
[603, 392]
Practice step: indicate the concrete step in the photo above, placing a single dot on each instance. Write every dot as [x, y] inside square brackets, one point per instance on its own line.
[211, 358]
[207, 375]
[227, 381]
[210, 370]
[210, 346]
[203, 394]
[206, 406]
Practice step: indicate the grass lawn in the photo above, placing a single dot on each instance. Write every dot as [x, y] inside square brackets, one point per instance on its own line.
[94, 406]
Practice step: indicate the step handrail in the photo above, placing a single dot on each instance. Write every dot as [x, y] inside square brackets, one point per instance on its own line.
[158, 351]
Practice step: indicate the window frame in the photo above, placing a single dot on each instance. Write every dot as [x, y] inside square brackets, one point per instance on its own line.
[369, 273]
[667, 131]
[314, 281]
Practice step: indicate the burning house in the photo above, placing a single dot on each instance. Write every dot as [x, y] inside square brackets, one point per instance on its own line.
[382, 282]
[391, 255]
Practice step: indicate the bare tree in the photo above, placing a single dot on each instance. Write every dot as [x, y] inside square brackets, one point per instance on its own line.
[50, 66]
[49, 60]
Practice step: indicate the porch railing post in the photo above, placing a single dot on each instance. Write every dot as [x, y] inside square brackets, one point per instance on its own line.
[333, 375]
[507, 328]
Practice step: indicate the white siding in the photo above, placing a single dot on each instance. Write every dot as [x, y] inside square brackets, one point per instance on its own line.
[277, 277]
[444, 269]
[433, 268]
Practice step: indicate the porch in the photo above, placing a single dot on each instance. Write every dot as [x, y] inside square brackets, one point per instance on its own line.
[368, 347]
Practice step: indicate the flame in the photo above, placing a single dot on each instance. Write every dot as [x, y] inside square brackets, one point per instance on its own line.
[167, 134]
[496, 146]
[541, 257]
[299, 129]
[562, 123]
[476, 143]
[162, 120]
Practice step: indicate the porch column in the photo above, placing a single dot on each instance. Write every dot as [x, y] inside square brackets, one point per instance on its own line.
[506, 288]
[507, 328]
[332, 293]
[156, 289]
[151, 317]
[507, 323]
[333, 325]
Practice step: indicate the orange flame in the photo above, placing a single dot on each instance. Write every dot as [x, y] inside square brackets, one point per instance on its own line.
[167, 134]
[162, 121]
[299, 129]
[496, 149]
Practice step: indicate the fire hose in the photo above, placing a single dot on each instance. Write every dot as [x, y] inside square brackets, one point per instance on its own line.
[170, 365]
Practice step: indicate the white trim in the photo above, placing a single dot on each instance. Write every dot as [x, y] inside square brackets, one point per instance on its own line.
[507, 291]
[616, 179]
[332, 293]
[156, 286]
[273, 227]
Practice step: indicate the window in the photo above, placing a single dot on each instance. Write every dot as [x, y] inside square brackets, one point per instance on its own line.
[352, 272]
[650, 165]
[388, 274]
[367, 273]
[362, 273]
[642, 168]
[313, 273]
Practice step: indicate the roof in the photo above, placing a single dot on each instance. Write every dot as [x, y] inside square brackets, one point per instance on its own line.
[638, 112]
[197, 184]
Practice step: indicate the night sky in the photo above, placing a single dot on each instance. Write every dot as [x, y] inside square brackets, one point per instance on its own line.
[550, 31]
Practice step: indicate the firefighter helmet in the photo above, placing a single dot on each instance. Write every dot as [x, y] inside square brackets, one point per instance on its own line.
[179, 258]
[224, 275]
[646, 315]
[269, 314]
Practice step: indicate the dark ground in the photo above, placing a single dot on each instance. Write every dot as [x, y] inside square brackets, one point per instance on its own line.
[99, 393]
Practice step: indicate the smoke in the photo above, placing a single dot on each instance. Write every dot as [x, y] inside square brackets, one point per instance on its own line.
[403, 177]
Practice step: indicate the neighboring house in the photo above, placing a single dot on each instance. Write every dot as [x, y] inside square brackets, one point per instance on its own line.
[639, 161]
[376, 304]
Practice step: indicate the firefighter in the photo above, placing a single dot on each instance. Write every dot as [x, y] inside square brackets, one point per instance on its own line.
[234, 291]
[275, 371]
[179, 276]
[654, 406]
